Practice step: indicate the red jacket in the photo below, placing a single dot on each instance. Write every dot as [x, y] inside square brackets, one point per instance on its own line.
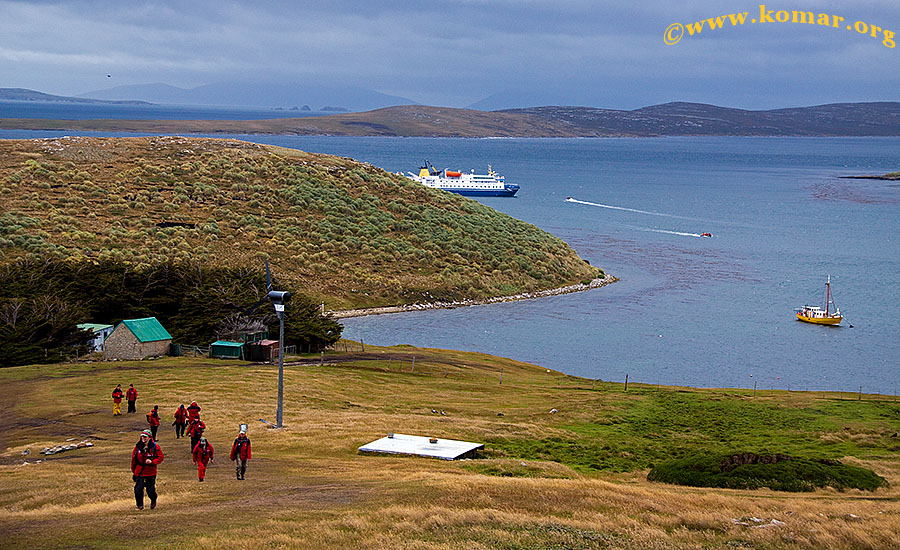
[131, 394]
[117, 395]
[201, 455]
[240, 448]
[138, 459]
[153, 418]
[196, 428]
[193, 410]
[181, 415]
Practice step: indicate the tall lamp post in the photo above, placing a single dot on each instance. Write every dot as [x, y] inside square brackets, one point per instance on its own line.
[279, 299]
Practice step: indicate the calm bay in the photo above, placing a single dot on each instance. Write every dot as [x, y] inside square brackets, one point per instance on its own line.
[706, 312]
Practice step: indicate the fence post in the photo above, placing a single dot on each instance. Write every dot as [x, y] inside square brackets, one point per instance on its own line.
[501, 376]
[860, 394]
[626, 382]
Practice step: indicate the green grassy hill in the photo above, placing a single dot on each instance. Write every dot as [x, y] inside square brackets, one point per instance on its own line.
[335, 229]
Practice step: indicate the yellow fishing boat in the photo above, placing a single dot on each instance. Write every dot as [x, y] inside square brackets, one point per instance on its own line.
[829, 315]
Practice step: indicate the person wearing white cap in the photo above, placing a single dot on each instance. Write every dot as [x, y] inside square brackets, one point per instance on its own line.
[240, 452]
[144, 459]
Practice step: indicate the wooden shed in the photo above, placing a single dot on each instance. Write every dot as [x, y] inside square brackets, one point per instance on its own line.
[137, 339]
[222, 349]
[264, 350]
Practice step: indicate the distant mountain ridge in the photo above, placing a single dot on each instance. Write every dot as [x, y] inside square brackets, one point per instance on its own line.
[23, 94]
[669, 119]
[697, 119]
[256, 94]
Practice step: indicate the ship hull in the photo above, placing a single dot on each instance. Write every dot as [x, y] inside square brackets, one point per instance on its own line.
[820, 320]
[482, 192]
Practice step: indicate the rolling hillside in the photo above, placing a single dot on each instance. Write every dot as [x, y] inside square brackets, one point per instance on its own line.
[335, 229]
[670, 119]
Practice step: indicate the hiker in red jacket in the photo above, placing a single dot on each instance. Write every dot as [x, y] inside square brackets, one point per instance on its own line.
[131, 397]
[203, 455]
[195, 430]
[117, 400]
[180, 421]
[144, 459]
[240, 453]
[153, 420]
[193, 411]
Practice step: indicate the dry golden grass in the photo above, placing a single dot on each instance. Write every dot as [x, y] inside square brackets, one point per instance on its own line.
[307, 487]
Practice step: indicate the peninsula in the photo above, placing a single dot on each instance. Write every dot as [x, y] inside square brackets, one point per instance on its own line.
[670, 119]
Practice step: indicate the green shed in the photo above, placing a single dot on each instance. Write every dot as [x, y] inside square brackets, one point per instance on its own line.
[222, 349]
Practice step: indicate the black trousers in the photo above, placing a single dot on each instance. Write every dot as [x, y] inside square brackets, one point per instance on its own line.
[179, 430]
[194, 440]
[153, 431]
[148, 483]
[131, 407]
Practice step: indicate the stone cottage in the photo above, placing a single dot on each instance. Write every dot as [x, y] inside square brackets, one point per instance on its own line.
[137, 339]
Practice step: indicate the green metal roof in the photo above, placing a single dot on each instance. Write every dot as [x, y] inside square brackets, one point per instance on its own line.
[95, 327]
[227, 344]
[147, 329]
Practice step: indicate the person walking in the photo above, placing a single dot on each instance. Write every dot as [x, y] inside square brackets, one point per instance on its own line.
[193, 411]
[240, 452]
[145, 457]
[195, 430]
[153, 420]
[131, 397]
[203, 455]
[117, 400]
[180, 421]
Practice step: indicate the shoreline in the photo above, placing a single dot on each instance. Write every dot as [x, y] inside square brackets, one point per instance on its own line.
[364, 312]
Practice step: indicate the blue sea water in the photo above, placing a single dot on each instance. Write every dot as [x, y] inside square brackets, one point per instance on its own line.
[705, 312]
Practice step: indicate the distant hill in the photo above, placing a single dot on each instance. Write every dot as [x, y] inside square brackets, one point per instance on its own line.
[697, 119]
[256, 94]
[335, 229]
[23, 94]
[670, 119]
[406, 120]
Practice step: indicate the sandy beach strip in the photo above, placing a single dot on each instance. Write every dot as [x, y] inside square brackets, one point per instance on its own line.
[347, 313]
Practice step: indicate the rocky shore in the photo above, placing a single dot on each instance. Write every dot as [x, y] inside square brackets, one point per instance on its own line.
[347, 313]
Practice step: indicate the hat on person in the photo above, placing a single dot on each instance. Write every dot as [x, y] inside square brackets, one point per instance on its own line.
[243, 428]
[148, 433]
[202, 440]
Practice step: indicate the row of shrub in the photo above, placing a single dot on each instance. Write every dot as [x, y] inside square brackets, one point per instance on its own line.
[42, 301]
[777, 472]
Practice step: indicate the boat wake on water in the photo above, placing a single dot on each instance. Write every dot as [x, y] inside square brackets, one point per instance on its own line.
[680, 233]
[570, 199]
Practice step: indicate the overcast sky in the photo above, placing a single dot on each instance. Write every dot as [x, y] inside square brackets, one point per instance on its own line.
[453, 53]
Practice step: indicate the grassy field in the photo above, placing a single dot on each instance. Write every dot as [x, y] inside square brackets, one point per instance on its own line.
[575, 478]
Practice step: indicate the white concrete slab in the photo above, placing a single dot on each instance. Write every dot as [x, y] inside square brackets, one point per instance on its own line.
[446, 449]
